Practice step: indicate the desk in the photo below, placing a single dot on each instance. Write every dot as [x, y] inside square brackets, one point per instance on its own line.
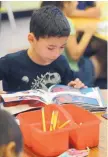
[85, 21]
[101, 150]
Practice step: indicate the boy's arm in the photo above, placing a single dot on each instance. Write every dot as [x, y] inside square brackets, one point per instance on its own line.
[93, 12]
[4, 67]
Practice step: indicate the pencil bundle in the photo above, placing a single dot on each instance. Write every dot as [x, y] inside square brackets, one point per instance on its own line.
[54, 123]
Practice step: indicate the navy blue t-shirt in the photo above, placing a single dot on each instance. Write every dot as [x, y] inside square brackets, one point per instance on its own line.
[19, 72]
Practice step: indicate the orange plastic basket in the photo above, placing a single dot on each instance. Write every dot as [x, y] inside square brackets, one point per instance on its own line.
[28, 119]
[83, 129]
[49, 143]
[87, 133]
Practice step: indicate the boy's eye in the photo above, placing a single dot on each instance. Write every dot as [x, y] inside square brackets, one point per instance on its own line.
[50, 48]
[54, 48]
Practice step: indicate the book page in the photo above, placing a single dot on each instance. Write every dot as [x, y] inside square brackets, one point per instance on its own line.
[58, 89]
[37, 95]
[18, 108]
[88, 97]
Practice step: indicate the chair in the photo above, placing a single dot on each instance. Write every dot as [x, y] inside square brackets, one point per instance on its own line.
[0, 14]
[10, 14]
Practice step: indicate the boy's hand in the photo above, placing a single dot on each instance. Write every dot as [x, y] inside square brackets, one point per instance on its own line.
[3, 92]
[77, 84]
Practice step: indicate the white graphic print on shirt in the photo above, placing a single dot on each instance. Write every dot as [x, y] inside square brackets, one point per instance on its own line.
[46, 80]
[25, 79]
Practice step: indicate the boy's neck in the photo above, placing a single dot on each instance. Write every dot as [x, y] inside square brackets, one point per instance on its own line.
[35, 58]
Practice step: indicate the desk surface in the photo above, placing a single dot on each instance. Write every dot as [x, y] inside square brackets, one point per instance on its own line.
[101, 150]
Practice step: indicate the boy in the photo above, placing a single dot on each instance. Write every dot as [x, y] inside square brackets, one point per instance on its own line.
[11, 143]
[42, 65]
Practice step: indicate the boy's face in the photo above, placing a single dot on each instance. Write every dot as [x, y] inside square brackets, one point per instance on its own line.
[48, 49]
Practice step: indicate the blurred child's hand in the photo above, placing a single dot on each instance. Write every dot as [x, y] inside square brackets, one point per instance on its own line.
[77, 84]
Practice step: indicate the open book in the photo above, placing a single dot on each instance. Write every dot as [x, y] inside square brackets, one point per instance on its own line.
[89, 98]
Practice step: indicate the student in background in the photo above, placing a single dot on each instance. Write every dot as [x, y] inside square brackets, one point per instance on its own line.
[84, 9]
[97, 47]
[43, 64]
[11, 143]
[74, 51]
[87, 9]
[99, 43]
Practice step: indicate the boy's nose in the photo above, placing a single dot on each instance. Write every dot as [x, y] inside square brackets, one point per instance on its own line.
[56, 54]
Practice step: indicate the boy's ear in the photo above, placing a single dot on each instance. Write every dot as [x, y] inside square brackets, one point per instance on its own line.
[31, 37]
[10, 149]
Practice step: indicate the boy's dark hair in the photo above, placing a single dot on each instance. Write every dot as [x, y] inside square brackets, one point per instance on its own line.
[10, 131]
[49, 21]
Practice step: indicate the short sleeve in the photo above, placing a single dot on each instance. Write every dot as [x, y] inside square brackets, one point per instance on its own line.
[72, 27]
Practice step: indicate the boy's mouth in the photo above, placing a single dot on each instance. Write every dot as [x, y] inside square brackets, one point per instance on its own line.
[50, 59]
